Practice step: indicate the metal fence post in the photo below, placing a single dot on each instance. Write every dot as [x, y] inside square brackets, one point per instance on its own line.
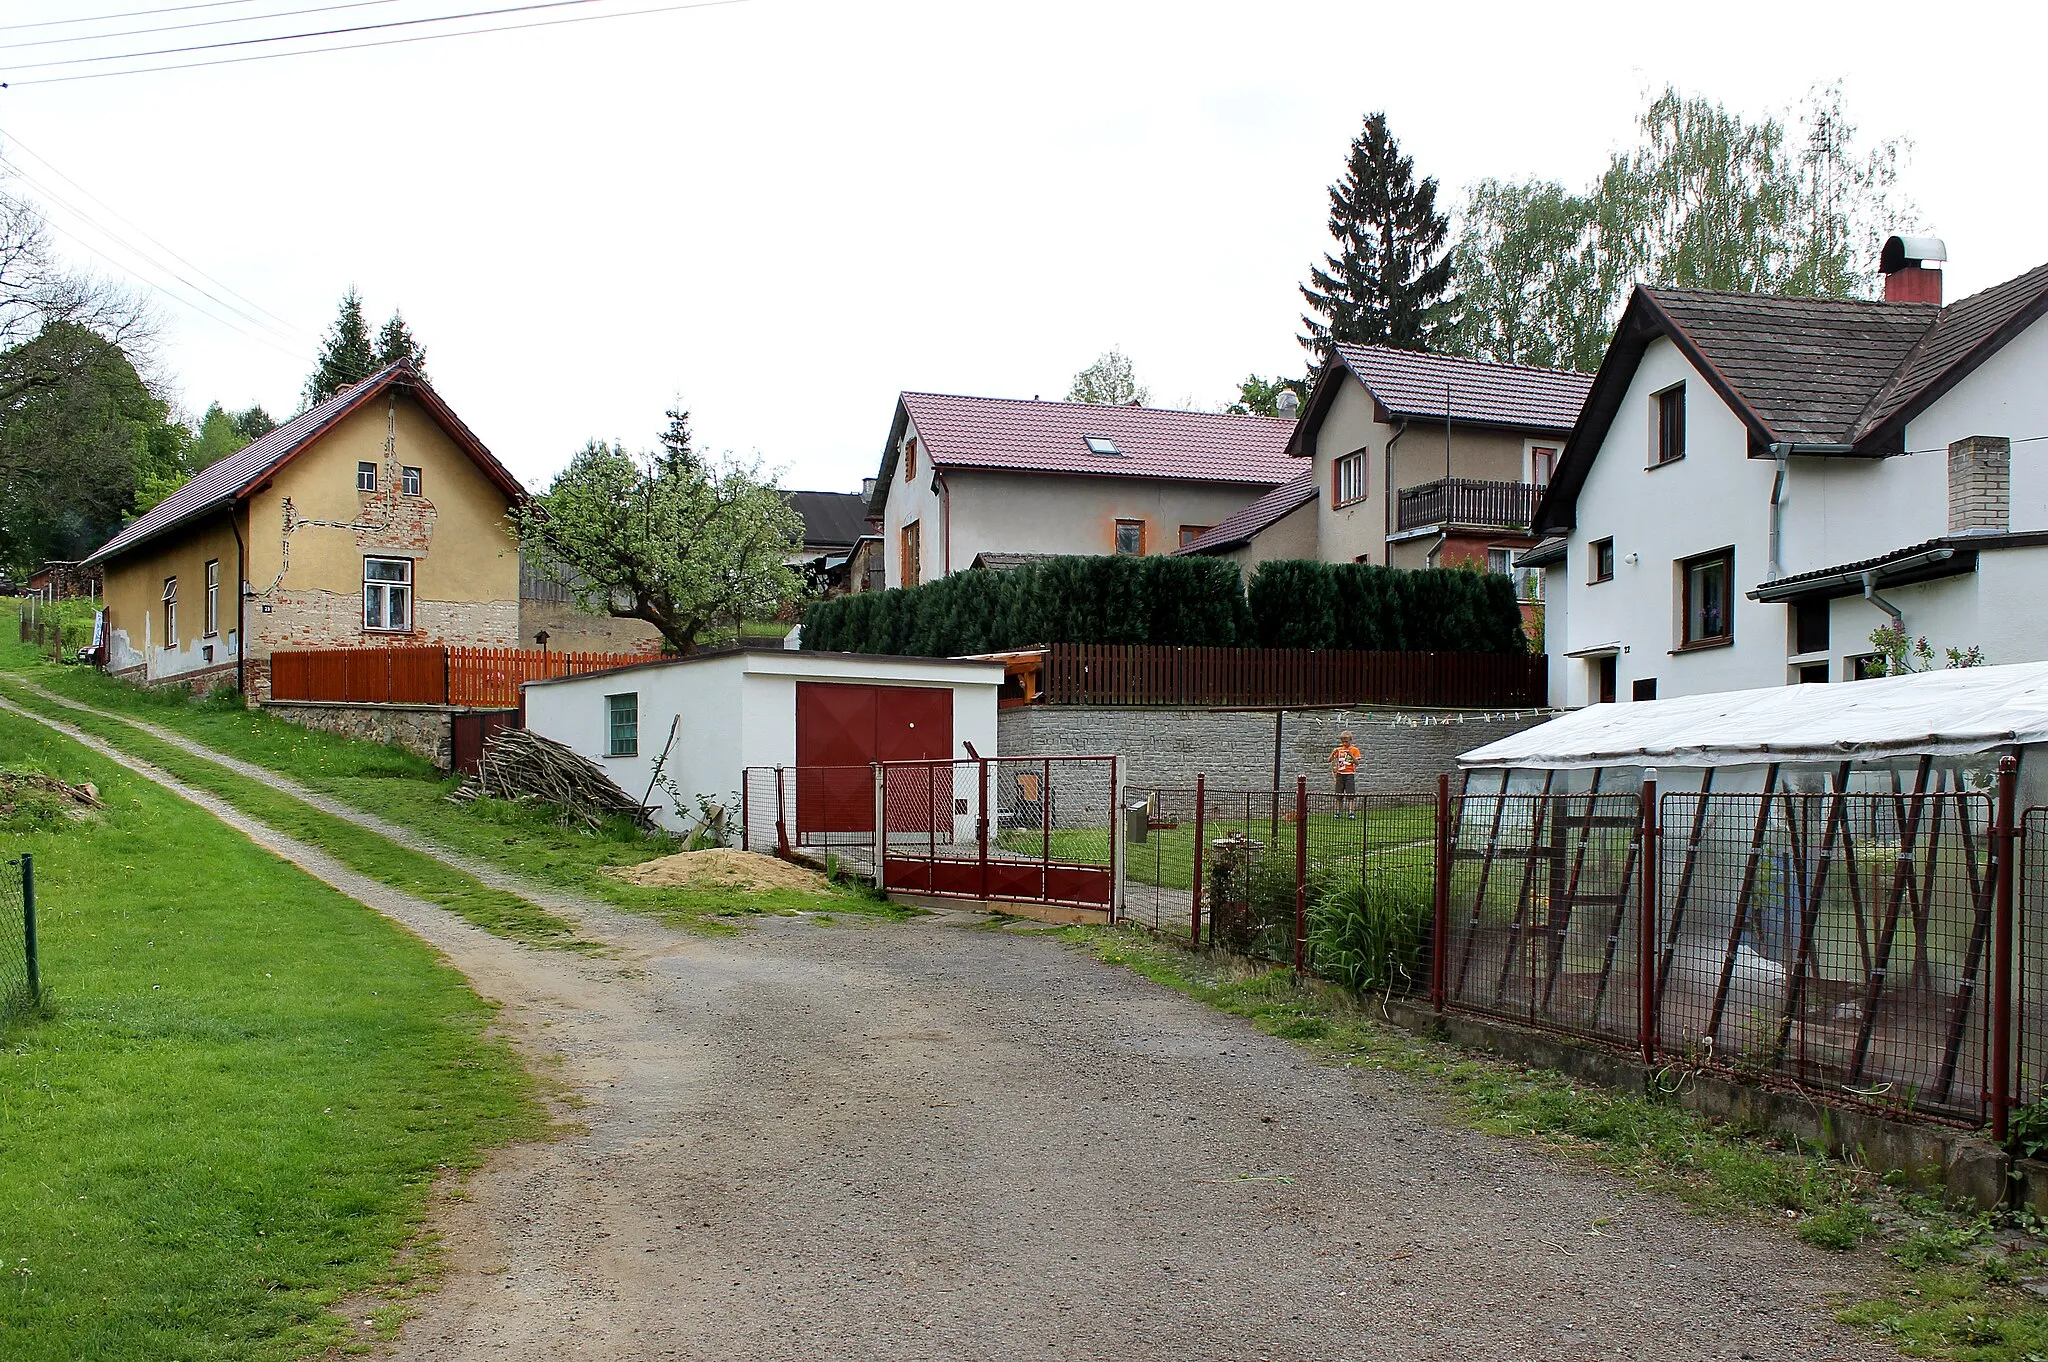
[1300, 876]
[781, 817]
[1647, 893]
[28, 925]
[1195, 920]
[1117, 840]
[981, 823]
[2002, 950]
[879, 774]
[1439, 935]
[746, 808]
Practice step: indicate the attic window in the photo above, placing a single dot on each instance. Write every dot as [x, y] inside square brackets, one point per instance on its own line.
[1100, 444]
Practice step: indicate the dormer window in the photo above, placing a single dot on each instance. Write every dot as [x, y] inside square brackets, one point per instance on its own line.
[1100, 444]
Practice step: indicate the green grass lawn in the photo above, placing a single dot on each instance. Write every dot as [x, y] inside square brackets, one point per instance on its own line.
[405, 789]
[239, 1099]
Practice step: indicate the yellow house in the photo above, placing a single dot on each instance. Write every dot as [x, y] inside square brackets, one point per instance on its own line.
[374, 519]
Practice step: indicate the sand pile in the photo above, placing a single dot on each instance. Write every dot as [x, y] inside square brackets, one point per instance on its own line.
[723, 868]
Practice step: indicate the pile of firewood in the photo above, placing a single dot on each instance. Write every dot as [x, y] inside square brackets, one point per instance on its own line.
[518, 764]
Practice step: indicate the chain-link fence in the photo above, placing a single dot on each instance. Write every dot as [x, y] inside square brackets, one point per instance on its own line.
[20, 986]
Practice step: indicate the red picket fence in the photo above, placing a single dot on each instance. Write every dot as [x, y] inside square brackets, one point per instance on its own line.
[480, 677]
[1138, 674]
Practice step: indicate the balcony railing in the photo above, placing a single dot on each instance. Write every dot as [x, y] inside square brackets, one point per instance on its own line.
[1467, 501]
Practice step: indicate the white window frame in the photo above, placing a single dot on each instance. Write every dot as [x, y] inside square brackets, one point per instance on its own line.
[170, 612]
[384, 590]
[366, 477]
[1348, 485]
[410, 480]
[212, 597]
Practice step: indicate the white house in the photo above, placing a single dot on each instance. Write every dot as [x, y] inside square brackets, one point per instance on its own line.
[741, 708]
[966, 476]
[1757, 483]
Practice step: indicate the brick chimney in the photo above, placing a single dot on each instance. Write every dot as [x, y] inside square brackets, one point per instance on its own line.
[1904, 264]
[1980, 484]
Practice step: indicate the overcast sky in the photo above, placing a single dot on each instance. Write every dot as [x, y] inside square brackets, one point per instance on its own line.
[788, 211]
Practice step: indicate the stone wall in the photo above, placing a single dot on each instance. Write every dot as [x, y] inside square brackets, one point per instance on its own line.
[1404, 750]
[424, 730]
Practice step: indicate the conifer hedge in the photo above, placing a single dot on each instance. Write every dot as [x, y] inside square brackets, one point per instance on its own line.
[1182, 602]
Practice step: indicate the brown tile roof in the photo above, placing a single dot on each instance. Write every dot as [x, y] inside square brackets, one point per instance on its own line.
[1051, 437]
[1410, 383]
[1267, 511]
[1806, 367]
[230, 478]
[1968, 330]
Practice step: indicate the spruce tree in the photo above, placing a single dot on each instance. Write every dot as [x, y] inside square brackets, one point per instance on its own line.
[396, 342]
[1386, 281]
[346, 355]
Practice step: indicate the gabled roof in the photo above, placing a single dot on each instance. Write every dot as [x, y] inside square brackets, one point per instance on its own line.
[1052, 437]
[831, 519]
[1269, 510]
[1411, 385]
[227, 480]
[1840, 376]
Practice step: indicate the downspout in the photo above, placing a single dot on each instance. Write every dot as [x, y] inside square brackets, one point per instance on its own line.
[1870, 594]
[1783, 454]
[1387, 477]
[945, 491]
[241, 604]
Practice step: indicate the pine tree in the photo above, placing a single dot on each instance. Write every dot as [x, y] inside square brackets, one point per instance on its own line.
[346, 355]
[396, 342]
[1385, 284]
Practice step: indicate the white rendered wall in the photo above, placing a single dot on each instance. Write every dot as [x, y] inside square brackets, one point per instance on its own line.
[1715, 497]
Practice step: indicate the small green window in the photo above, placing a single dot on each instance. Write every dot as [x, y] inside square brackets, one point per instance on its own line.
[622, 715]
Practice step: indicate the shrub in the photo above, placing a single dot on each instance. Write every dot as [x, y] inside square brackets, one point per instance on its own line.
[1372, 935]
[1294, 604]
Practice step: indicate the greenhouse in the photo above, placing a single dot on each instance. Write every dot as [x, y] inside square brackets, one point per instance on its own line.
[1828, 877]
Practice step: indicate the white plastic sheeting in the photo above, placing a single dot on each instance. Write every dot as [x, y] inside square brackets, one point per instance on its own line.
[1941, 713]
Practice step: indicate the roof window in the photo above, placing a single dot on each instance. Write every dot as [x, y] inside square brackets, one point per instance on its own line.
[1100, 444]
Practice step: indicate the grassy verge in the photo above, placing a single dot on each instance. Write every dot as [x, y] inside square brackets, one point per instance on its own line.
[239, 1099]
[1947, 1282]
[400, 787]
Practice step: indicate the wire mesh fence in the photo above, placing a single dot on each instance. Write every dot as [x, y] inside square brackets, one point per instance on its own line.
[19, 984]
[1038, 829]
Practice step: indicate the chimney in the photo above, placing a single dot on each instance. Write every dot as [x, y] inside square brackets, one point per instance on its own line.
[1289, 405]
[867, 489]
[1904, 264]
[1980, 485]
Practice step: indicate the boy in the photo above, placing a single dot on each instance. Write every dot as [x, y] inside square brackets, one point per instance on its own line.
[1344, 766]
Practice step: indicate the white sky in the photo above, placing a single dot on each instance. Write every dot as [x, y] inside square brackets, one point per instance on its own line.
[789, 210]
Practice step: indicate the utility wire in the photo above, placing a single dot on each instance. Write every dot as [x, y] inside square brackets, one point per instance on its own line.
[9, 141]
[382, 42]
[121, 243]
[197, 23]
[294, 37]
[129, 14]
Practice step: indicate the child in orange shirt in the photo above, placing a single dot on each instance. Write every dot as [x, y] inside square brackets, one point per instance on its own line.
[1344, 767]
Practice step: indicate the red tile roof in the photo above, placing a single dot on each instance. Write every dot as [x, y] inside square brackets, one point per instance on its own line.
[1051, 437]
[230, 478]
[1267, 511]
[1410, 383]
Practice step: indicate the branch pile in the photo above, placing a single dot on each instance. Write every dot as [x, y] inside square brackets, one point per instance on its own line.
[521, 765]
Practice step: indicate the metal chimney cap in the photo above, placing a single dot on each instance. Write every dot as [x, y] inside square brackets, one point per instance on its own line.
[1288, 403]
[1901, 251]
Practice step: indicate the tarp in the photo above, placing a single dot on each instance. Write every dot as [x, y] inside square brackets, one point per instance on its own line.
[1952, 712]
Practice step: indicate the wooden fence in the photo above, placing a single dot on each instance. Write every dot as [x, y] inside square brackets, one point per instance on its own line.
[1113, 674]
[480, 677]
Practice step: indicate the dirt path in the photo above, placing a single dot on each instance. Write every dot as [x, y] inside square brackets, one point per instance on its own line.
[920, 1141]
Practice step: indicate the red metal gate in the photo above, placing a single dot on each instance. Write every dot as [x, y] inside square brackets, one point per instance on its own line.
[1030, 829]
[842, 729]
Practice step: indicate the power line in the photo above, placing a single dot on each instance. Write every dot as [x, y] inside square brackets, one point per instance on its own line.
[130, 14]
[294, 37]
[150, 261]
[7, 138]
[382, 42]
[199, 23]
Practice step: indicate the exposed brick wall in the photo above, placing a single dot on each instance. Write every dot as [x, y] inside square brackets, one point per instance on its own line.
[1234, 748]
[425, 730]
[1980, 484]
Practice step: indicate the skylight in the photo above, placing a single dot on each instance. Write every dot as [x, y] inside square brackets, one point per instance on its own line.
[1100, 444]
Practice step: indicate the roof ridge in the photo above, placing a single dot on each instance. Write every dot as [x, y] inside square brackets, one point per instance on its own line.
[1091, 406]
[1543, 369]
[1668, 289]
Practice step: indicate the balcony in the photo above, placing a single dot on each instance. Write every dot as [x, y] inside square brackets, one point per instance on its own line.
[1467, 502]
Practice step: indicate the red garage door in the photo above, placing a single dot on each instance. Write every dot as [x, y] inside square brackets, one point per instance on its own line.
[840, 729]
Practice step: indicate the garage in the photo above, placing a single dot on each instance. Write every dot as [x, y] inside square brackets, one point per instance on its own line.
[684, 730]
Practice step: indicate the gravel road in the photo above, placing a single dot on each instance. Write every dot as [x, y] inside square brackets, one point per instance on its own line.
[925, 1141]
